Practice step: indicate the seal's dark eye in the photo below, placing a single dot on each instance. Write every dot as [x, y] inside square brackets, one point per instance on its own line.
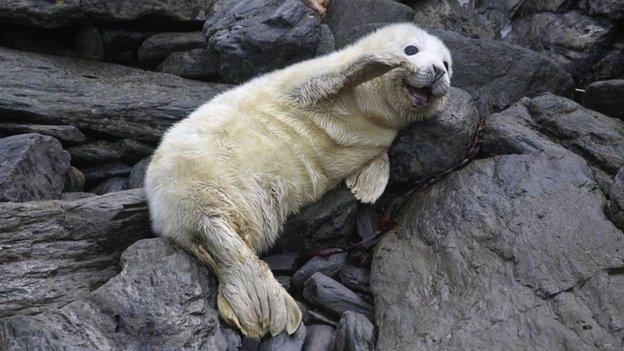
[446, 65]
[411, 50]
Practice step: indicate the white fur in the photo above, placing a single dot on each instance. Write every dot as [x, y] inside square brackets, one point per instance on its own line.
[223, 180]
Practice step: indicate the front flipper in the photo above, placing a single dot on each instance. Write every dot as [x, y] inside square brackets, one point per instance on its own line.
[354, 73]
[369, 182]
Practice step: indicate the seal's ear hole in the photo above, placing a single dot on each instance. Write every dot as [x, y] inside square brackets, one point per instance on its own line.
[446, 65]
[411, 50]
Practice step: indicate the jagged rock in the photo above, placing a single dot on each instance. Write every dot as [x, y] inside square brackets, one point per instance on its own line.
[89, 43]
[606, 97]
[94, 96]
[355, 333]
[32, 167]
[101, 151]
[137, 175]
[55, 14]
[355, 278]
[111, 185]
[333, 297]
[282, 263]
[161, 299]
[54, 252]
[255, 37]
[95, 173]
[67, 134]
[615, 206]
[285, 342]
[511, 252]
[193, 64]
[319, 337]
[159, 46]
[329, 266]
[74, 181]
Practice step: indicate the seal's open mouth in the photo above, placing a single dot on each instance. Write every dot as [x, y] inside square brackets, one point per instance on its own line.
[419, 96]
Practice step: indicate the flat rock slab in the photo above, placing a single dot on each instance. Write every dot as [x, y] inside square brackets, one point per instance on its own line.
[93, 96]
[162, 299]
[65, 134]
[511, 252]
[54, 252]
[32, 167]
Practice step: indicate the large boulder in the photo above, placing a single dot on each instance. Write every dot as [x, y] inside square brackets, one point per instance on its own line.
[93, 96]
[511, 252]
[54, 252]
[255, 37]
[606, 97]
[162, 299]
[32, 167]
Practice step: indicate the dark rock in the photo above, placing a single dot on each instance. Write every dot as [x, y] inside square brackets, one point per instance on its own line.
[111, 185]
[319, 337]
[102, 151]
[432, 147]
[606, 97]
[137, 175]
[355, 278]
[284, 280]
[613, 9]
[355, 333]
[122, 42]
[76, 196]
[232, 339]
[255, 37]
[282, 263]
[162, 299]
[89, 43]
[366, 221]
[96, 96]
[455, 16]
[51, 42]
[326, 223]
[53, 14]
[193, 64]
[609, 66]
[332, 297]
[615, 206]
[74, 181]
[285, 342]
[32, 167]
[326, 42]
[159, 46]
[346, 18]
[250, 344]
[502, 255]
[54, 252]
[96, 173]
[67, 134]
[329, 266]
[320, 318]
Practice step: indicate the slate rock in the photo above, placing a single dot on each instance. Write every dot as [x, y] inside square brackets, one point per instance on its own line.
[250, 343]
[615, 206]
[158, 47]
[329, 266]
[283, 263]
[232, 339]
[32, 167]
[95, 173]
[76, 196]
[319, 337]
[606, 97]
[106, 98]
[102, 151]
[137, 174]
[333, 297]
[74, 181]
[89, 43]
[161, 299]
[54, 252]
[355, 278]
[285, 342]
[327, 42]
[111, 185]
[122, 41]
[511, 252]
[64, 134]
[254, 37]
[354, 333]
[193, 64]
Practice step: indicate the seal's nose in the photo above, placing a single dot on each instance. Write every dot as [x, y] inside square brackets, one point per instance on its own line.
[439, 73]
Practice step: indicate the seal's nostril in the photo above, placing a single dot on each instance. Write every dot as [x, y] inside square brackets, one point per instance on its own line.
[439, 73]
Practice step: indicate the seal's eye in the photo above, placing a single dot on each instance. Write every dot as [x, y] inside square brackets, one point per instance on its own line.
[411, 50]
[446, 65]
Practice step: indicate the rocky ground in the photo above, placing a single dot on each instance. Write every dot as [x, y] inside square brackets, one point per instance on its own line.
[521, 249]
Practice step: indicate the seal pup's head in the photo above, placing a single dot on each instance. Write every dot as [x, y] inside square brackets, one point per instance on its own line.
[418, 88]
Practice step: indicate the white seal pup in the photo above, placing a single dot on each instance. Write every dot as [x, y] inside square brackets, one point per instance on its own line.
[223, 180]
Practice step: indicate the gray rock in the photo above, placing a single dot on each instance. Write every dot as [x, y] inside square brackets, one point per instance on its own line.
[74, 181]
[76, 196]
[194, 64]
[232, 339]
[102, 151]
[455, 16]
[285, 342]
[121, 42]
[512, 252]
[284, 280]
[250, 343]
[606, 97]
[615, 206]
[32, 167]
[319, 337]
[54, 252]
[355, 278]
[333, 297]
[158, 47]
[316, 317]
[89, 43]
[255, 37]
[329, 266]
[96, 96]
[111, 185]
[282, 263]
[355, 333]
[431, 147]
[137, 175]
[53, 15]
[64, 134]
[613, 9]
[96, 173]
[326, 43]
[162, 299]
